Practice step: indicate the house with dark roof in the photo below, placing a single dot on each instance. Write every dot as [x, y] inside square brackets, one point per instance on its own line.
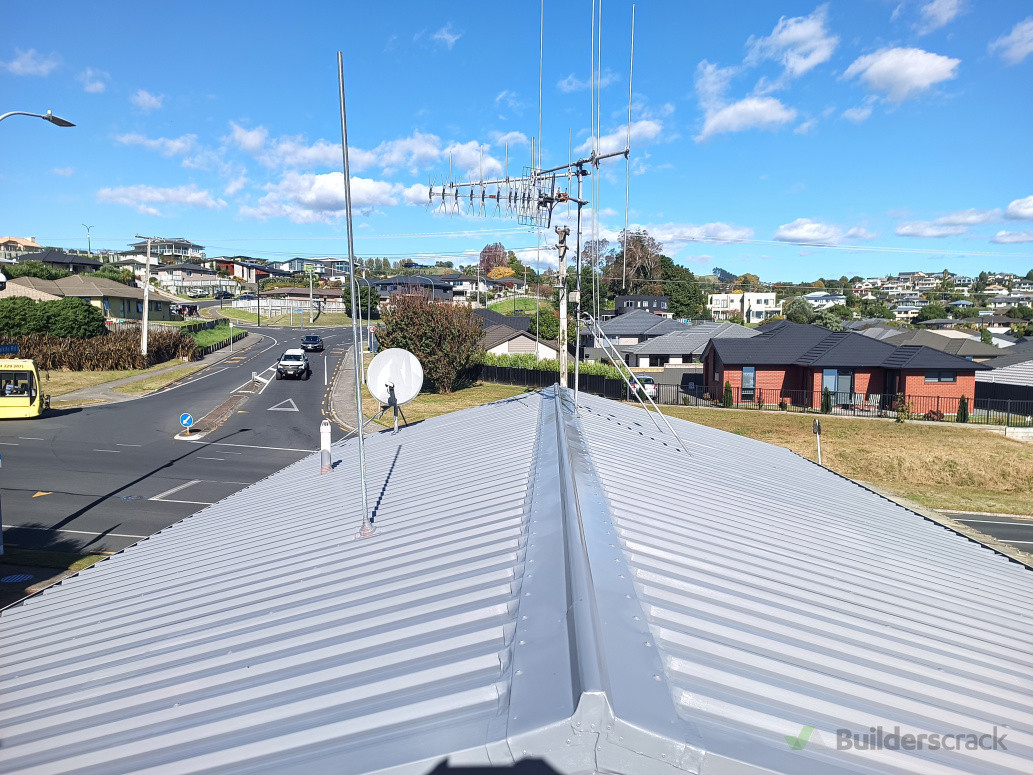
[795, 363]
[968, 347]
[115, 300]
[489, 317]
[633, 327]
[682, 346]
[58, 259]
[431, 287]
[503, 340]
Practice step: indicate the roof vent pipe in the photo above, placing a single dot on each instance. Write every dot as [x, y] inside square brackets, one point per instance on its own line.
[324, 447]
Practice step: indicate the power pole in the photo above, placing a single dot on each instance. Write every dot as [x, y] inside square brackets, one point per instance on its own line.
[146, 297]
[561, 246]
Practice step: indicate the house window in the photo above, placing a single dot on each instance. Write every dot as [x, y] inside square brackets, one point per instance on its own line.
[941, 376]
[749, 382]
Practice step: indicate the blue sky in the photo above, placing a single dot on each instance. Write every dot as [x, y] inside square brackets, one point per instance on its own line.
[789, 140]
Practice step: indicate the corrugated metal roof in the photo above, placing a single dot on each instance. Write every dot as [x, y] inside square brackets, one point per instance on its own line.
[693, 340]
[578, 589]
[640, 322]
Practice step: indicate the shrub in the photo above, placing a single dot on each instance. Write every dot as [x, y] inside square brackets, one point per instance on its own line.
[783, 405]
[934, 414]
[962, 415]
[726, 399]
[67, 317]
[444, 337]
[826, 401]
[532, 362]
[118, 350]
[902, 407]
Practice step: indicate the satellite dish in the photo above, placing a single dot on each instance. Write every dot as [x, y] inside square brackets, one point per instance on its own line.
[394, 377]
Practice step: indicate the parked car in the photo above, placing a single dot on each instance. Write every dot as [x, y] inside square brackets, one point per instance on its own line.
[312, 343]
[646, 384]
[197, 293]
[293, 363]
[247, 297]
[221, 294]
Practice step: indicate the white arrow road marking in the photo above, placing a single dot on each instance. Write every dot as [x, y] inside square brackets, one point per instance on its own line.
[282, 406]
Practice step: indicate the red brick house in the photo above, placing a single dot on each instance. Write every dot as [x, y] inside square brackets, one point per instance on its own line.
[794, 363]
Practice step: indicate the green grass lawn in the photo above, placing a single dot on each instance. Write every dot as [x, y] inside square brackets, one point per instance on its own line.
[43, 559]
[210, 336]
[297, 320]
[523, 306]
[57, 383]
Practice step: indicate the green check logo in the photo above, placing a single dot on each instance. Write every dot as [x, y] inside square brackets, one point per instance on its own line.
[797, 743]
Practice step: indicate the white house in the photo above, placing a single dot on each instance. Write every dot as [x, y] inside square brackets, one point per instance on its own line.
[823, 299]
[751, 307]
[176, 249]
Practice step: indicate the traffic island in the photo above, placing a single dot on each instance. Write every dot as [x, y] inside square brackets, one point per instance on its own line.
[213, 419]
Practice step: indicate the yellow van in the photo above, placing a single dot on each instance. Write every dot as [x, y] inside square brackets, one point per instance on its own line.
[20, 391]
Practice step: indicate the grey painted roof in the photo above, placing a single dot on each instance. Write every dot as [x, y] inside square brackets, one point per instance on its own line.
[600, 599]
[639, 322]
[964, 347]
[692, 340]
[491, 318]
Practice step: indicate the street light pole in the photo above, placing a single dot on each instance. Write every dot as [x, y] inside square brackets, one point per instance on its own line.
[89, 245]
[48, 116]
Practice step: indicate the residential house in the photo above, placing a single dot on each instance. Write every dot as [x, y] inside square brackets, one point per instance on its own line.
[434, 288]
[491, 318]
[13, 248]
[502, 340]
[794, 362]
[1022, 286]
[1010, 376]
[583, 588]
[465, 287]
[631, 328]
[906, 312]
[967, 347]
[961, 304]
[183, 278]
[751, 307]
[59, 259]
[655, 304]
[115, 300]
[924, 284]
[1010, 300]
[244, 269]
[682, 347]
[175, 250]
[823, 299]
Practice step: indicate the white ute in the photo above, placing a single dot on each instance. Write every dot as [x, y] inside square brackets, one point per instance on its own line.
[293, 363]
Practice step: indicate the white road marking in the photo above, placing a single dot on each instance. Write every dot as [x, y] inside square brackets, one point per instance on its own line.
[128, 445]
[116, 451]
[80, 532]
[1006, 541]
[280, 407]
[175, 489]
[30, 438]
[9, 443]
[195, 381]
[195, 503]
[251, 446]
[211, 458]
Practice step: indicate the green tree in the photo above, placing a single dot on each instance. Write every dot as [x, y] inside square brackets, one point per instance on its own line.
[123, 275]
[685, 299]
[369, 300]
[986, 337]
[826, 401]
[727, 399]
[446, 338]
[71, 317]
[876, 309]
[18, 316]
[962, 415]
[798, 310]
[34, 269]
[826, 318]
[934, 310]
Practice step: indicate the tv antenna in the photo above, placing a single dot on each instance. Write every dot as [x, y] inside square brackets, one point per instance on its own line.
[531, 197]
[394, 378]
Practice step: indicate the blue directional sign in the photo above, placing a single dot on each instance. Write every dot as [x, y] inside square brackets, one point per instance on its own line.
[186, 420]
[8, 349]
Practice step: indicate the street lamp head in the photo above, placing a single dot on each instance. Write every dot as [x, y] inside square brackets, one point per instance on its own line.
[56, 120]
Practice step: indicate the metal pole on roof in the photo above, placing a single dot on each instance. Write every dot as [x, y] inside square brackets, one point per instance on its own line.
[367, 528]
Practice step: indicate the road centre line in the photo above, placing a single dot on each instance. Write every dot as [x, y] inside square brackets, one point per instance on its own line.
[116, 451]
[211, 458]
[9, 443]
[31, 438]
[128, 445]
[175, 489]
[79, 532]
[251, 446]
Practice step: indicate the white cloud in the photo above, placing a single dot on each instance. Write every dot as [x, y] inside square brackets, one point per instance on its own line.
[806, 126]
[858, 115]
[676, 236]
[711, 84]
[473, 159]
[235, 185]
[141, 198]
[572, 83]
[902, 72]
[799, 44]
[166, 146]
[938, 13]
[808, 232]
[93, 81]
[447, 36]
[928, 229]
[64, 171]
[416, 152]
[310, 198]
[860, 232]
[1020, 209]
[750, 113]
[1011, 237]
[146, 101]
[31, 62]
[617, 140]
[1017, 44]
[509, 138]
[969, 217]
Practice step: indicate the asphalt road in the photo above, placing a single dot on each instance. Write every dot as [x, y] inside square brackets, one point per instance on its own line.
[101, 478]
[1016, 531]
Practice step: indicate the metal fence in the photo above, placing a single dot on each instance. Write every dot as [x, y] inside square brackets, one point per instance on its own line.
[982, 411]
